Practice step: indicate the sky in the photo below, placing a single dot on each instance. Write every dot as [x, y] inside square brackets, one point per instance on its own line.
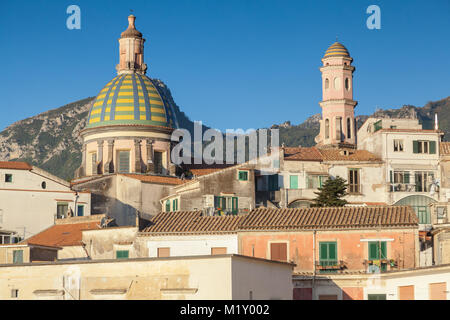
[229, 63]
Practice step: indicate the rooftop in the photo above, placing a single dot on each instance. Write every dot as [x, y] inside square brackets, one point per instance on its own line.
[316, 154]
[15, 165]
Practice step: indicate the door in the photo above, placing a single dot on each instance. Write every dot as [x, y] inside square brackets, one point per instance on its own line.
[406, 293]
[438, 291]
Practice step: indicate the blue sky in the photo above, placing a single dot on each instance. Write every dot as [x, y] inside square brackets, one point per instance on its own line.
[232, 64]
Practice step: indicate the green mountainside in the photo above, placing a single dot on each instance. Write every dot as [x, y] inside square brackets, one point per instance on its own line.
[51, 139]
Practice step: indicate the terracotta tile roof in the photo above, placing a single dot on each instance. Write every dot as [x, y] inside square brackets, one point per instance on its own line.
[285, 219]
[192, 222]
[15, 165]
[62, 235]
[329, 218]
[301, 153]
[409, 130]
[352, 155]
[202, 172]
[444, 148]
[155, 179]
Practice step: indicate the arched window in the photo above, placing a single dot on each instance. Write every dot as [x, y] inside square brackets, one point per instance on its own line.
[327, 83]
[349, 129]
[327, 128]
[338, 128]
[337, 83]
[347, 83]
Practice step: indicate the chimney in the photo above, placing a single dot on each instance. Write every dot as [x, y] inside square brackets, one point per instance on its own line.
[436, 123]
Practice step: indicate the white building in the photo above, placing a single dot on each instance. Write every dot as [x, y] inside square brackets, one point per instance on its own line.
[31, 199]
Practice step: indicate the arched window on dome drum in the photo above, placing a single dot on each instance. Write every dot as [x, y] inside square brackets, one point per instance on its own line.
[349, 129]
[327, 128]
[347, 84]
[327, 83]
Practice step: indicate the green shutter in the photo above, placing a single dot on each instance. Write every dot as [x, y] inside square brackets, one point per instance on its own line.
[122, 254]
[390, 174]
[432, 147]
[293, 182]
[383, 250]
[406, 177]
[415, 146]
[243, 175]
[373, 251]
[235, 208]
[168, 206]
[332, 251]
[124, 161]
[323, 254]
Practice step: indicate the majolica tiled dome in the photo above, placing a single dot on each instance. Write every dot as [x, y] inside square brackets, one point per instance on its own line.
[130, 99]
[336, 50]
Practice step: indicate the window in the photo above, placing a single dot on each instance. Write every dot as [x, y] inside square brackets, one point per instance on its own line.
[376, 296]
[349, 129]
[1, 217]
[327, 83]
[328, 254]
[8, 177]
[18, 256]
[226, 204]
[80, 210]
[378, 251]
[399, 177]
[441, 212]
[122, 254]
[273, 182]
[218, 250]
[347, 84]
[61, 210]
[163, 252]
[93, 162]
[157, 161]
[327, 128]
[43, 185]
[316, 181]
[175, 205]
[14, 293]
[398, 145]
[278, 251]
[377, 126]
[337, 83]
[293, 182]
[168, 206]
[243, 175]
[427, 147]
[406, 292]
[353, 181]
[338, 128]
[423, 181]
[124, 161]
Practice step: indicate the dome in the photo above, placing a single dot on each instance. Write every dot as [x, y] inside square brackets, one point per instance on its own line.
[336, 50]
[130, 99]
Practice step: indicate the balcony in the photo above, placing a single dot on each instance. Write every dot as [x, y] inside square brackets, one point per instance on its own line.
[330, 265]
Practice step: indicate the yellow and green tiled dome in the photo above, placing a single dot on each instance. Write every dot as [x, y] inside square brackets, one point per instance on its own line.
[336, 50]
[130, 99]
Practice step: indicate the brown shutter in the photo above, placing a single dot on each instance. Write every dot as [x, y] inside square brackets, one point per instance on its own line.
[328, 297]
[163, 252]
[438, 291]
[406, 292]
[218, 250]
[278, 251]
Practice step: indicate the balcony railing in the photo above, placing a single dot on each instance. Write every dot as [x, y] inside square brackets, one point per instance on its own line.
[330, 265]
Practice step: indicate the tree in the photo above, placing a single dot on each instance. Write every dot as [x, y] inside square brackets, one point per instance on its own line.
[331, 193]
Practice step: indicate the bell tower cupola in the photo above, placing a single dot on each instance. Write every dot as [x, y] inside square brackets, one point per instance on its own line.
[131, 50]
[338, 125]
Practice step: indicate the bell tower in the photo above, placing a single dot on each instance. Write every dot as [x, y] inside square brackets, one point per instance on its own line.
[338, 125]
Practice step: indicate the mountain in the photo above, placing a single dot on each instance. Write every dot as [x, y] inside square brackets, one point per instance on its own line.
[51, 139]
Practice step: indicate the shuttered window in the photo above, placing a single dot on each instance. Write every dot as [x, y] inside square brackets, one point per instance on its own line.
[376, 296]
[273, 182]
[122, 254]
[328, 254]
[124, 161]
[424, 147]
[175, 205]
[376, 248]
[18, 256]
[218, 250]
[235, 208]
[163, 252]
[243, 175]
[278, 251]
[293, 182]
[168, 206]
[353, 181]
[157, 162]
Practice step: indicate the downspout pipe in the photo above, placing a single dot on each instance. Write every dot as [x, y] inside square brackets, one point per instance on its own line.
[314, 266]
